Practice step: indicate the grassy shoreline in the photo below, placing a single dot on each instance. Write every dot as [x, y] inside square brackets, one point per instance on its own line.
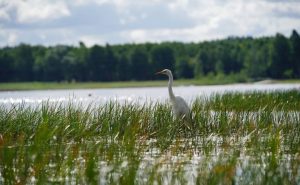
[17, 86]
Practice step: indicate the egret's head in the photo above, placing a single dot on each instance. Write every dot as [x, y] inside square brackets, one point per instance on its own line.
[165, 72]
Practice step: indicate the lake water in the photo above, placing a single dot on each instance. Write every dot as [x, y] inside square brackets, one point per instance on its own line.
[246, 157]
[98, 96]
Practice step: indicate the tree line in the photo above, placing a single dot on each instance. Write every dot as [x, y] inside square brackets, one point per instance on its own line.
[275, 57]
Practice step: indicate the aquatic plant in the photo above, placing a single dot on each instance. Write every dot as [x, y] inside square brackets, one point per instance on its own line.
[239, 138]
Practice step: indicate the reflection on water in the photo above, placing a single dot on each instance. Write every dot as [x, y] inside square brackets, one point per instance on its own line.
[226, 160]
[98, 96]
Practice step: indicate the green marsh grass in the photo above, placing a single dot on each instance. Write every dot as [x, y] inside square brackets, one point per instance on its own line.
[243, 138]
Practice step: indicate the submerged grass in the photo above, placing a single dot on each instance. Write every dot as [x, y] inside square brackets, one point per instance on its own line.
[242, 138]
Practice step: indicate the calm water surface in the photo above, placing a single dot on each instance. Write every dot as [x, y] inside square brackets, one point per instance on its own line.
[98, 96]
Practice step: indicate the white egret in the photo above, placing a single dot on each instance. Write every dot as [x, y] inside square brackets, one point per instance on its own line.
[180, 107]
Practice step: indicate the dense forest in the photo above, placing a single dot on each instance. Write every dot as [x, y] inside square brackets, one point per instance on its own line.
[275, 57]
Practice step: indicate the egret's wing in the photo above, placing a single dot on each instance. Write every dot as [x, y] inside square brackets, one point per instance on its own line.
[181, 106]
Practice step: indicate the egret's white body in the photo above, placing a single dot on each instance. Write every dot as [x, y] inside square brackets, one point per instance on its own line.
[180, 107]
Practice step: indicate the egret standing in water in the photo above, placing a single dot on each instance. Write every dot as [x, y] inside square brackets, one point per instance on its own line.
[180, 107]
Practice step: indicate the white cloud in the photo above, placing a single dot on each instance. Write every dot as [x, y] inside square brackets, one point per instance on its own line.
[8, 37]
[238, 17]
[12, 38]
[157, 35]
[121, 21]
[36, 10]
[91, 40]
[4, 15]
[138, 35]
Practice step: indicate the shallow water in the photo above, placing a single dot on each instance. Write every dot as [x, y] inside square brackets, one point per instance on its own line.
[183, 163]
[141, 95]
[252, 147]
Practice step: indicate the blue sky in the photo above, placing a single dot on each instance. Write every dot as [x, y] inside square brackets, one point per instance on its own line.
[51, 22]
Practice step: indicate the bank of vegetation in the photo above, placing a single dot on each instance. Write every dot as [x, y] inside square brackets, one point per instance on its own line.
[238, 59]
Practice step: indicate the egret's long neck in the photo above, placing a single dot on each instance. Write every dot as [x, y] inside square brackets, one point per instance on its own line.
[171, 94]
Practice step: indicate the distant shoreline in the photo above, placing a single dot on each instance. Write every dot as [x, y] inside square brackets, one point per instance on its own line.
[18, 86]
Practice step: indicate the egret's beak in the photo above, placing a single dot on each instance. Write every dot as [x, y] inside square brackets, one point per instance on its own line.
[160, 72]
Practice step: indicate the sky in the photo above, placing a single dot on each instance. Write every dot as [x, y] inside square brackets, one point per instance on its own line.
[52, 22]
